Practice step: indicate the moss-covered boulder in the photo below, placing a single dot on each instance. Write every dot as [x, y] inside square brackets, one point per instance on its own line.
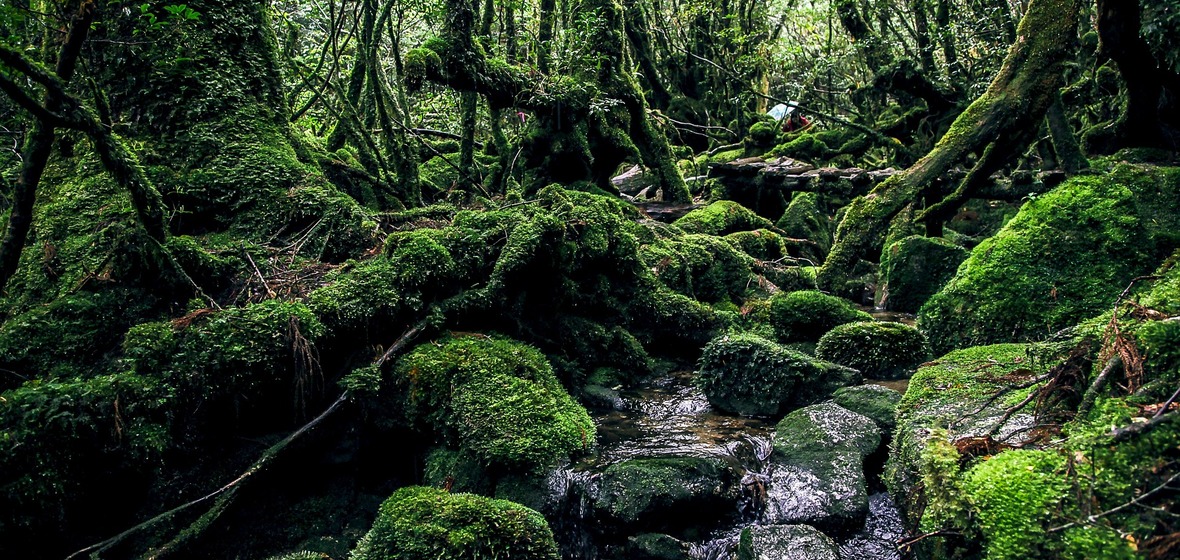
[874, 401]
[494, 397]
[805, 218]
[806, 315]
[703, 267]
[915, 268]
[761, 244]
[751, 376]
[418, 522]
[721, 218]
[817, 467]
[880, 350]
[666, 493]
[1065, 257]
[786, 542]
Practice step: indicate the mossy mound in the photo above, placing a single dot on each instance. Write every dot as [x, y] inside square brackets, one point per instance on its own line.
[703, 267]
[805, 218]
[751, 376]
[880, 350]
[806, 315]
[418, 522]
[761, 244]
[493, 397]
[722, 218]
[915, 268]
[1063, 258]
[666, 493]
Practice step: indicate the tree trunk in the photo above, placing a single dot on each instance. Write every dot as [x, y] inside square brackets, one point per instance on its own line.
[1141, 124]
[999, 123]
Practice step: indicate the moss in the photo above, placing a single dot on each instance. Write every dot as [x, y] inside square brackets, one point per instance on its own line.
[1015, 494]
[1099, 232]
[939, 472]
[880, 350]
[493, 397]
[76, 446]
[805, 146]
[721, 218]
[1160, 342]
[237, 363]
[752, 376]
[458, 471]
[807, 315]
[873, 401]
[761, 244]
[75, 335]
[785, 541]
[914, 269]
[665, 492]
[805, 218]
[762, 134]
[418, 522]
[700, 266]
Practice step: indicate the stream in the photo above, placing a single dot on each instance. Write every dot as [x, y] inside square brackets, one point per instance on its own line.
[670, 417]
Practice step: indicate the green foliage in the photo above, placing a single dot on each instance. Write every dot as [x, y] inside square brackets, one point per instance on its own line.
[703, 267]
[752, 376]
[880, 350]
[806, 315]
[721, 218]
[418, 522]
[1100, 233]
[915, 268]
[494, 397]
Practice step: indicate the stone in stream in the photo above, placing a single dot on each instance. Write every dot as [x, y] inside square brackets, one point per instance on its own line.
[664, 493]
[817, 468]
[656, 546]
[877, 402]
[751, 376]
[786, 542]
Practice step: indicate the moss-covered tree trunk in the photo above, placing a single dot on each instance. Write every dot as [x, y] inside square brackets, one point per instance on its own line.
[999, 123]
[579, 133]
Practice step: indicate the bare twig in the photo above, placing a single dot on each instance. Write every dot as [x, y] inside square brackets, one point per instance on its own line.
[1134, 501]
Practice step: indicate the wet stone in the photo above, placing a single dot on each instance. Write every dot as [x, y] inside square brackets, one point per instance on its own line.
[786, 542]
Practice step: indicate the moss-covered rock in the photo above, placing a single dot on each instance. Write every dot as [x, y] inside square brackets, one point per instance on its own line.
[703, 267]
[915, 268]
[749, 375]
[1015, 493]
[786, 542]
[817, 467]
[805, 218]
[874, 401]
[418, 522]
[493, 397]
[1063, 258]
[721, 218]
[667, 492]
[761, 244]
[880, 350]
[806, 315]
[656, 546]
